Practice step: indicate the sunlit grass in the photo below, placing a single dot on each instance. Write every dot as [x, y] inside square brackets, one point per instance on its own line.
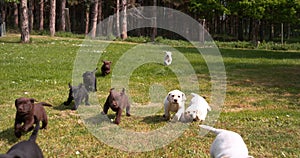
[262, 98]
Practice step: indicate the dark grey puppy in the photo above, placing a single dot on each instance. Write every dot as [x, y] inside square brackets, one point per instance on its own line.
[26, 149]
[105, 69]
[90, 81]
[117, 102]
[78, 94]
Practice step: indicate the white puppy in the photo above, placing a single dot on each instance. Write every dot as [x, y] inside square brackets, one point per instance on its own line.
[228, 144]
[198, 108]
[168, 58]
[174, 102]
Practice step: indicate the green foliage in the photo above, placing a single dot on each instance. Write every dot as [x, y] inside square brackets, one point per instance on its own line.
[207, 8]
[262, 45]
[139, 39]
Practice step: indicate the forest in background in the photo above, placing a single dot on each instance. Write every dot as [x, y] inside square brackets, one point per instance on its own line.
[225, 20]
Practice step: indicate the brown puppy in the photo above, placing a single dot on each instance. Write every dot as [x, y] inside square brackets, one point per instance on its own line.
[26, 110]
[105, 69]
[117, 102]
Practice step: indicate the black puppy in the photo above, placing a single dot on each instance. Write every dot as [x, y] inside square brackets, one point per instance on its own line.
[26, 149]
[117, 102]
[77, 93]
[90, 81]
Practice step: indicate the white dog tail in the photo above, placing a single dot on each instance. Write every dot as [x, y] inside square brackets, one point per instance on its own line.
[215, 130]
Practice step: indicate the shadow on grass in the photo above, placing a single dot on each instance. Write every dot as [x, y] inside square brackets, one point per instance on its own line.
[62, 107]
[154, 119]
[8, 134]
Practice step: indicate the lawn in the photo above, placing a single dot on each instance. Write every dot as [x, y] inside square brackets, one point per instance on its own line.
[262, 97]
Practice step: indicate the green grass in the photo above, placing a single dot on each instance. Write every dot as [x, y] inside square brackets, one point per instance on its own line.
[262, 98]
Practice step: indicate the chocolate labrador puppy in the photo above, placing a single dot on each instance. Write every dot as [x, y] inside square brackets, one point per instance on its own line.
[26, 149]
[26, 110]
[105, 69]
[77, 93]
[117, 102]
[90, 81]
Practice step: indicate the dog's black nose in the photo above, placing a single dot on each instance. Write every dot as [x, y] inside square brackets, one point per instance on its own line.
[175, 100]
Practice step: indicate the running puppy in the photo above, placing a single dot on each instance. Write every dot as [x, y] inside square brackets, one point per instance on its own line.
[174, 102]
[78, 94]
[228, 144]
[26, 111]
[198, 108]
[117, 102]
[168, 58]
[26, 149]
[90, 81]
[105, 69]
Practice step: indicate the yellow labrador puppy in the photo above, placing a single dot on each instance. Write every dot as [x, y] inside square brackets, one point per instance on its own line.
[174, 102]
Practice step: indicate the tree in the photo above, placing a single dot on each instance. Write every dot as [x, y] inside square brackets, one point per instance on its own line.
[99, 25]
[30, 14]
[52, 17]
[63, 15]
[124, 19]
[118, 17]
[87, 17]
[154, 21]
[94, 18]
[16, 15]
[25, 37]
[41, 17]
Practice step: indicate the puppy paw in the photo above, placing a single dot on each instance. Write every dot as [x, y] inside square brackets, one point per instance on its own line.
[103, 113]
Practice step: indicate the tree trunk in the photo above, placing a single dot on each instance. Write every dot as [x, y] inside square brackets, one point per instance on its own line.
[124, 20]
[25, 38]
[41, 17]
[68, 22]
[118, 18]
[240, 29]
[99, 19]
[52, 17]
[16, 17]
[154, 21]
[87, 20]
[62, 26]
[94, 18]
[30, 14]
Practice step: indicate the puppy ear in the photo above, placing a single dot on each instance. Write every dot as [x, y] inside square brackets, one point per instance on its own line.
[32, 100]
[183, 97]
[168, 97]
[123, 91]
[111, 90]
[70, 86]
[16, 101]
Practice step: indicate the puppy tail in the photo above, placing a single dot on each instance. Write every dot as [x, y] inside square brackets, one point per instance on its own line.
[45, 104]
[215, 130]
[95, 69]
[36, 129]
[208, 108]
